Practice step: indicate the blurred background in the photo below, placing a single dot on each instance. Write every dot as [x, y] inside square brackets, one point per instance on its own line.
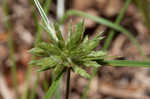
[20, 31]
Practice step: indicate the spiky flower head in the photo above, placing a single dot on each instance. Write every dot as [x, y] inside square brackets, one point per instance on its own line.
[74, 53]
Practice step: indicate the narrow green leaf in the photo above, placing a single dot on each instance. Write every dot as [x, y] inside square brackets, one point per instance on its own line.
[128, 63]
[118, 20]
[42, 13]
[81, 72]
[45, 19]
[47, 6]
[11, 51]
[52, 88]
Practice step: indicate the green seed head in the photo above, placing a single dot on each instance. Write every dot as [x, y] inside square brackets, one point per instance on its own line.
[75, 52]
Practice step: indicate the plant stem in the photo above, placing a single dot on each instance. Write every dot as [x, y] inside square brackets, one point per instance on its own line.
[11, 47]
[118, 20]
[68, 83]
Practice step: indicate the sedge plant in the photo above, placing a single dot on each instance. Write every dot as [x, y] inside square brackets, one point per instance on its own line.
[68, 56]
[72, 54]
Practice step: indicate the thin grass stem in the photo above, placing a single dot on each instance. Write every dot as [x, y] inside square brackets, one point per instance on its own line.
[128, 63]
[118, 20]
[68, 84]
[11, 47]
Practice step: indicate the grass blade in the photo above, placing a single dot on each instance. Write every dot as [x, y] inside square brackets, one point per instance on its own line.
[45, 19]
[118, 20]
[47, 6]
[52, 88]
[11, 47]
[128, 63]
